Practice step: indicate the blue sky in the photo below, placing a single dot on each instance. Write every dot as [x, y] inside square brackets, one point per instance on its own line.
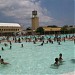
[61, 9]
[50, 12]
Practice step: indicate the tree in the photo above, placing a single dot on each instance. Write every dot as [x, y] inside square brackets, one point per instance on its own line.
[68, 29]
[72, 30]
[53, 26]
[28, 28]
[64, 28]
[40, 30]
[71, 26]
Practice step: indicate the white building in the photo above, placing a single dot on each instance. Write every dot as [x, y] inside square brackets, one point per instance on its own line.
[9, 28]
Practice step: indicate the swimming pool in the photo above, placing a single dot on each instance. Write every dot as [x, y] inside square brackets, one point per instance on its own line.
[36, 60]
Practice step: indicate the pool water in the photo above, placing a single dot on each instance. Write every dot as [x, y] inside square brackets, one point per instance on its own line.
[33, 59]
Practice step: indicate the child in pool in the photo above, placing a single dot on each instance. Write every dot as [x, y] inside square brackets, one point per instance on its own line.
[56, 62]
[60, 58]
[2, 62]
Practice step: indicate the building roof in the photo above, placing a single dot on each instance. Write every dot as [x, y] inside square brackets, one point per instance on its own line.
[52, 29]
[10, 24]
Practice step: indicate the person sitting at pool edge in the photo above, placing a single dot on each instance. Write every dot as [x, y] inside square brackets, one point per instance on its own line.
[2, 62]
[60, 58]
[56, 62]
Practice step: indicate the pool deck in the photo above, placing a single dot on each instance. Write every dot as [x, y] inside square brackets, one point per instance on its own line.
[70, 73]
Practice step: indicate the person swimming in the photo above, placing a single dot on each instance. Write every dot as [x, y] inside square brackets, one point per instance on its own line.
[60, 58]
[41, 44]
[21, 45]
[10, 43]
[34, 42]
[74, 41]
[0, 58]
[73, 60]
[2, 48]
[59, 43]
[56, 62]
[10, 46]
[2, 62]
[5, 44]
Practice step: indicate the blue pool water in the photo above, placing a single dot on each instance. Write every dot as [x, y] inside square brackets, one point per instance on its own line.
[36, 60]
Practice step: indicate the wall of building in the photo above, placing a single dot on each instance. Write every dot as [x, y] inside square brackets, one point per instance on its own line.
[52, 29]
[9, 30]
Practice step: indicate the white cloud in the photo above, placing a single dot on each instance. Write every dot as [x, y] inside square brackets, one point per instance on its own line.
[21, 9]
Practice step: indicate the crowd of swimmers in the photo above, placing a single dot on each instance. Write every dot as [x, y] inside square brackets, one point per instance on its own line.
[41, 39]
